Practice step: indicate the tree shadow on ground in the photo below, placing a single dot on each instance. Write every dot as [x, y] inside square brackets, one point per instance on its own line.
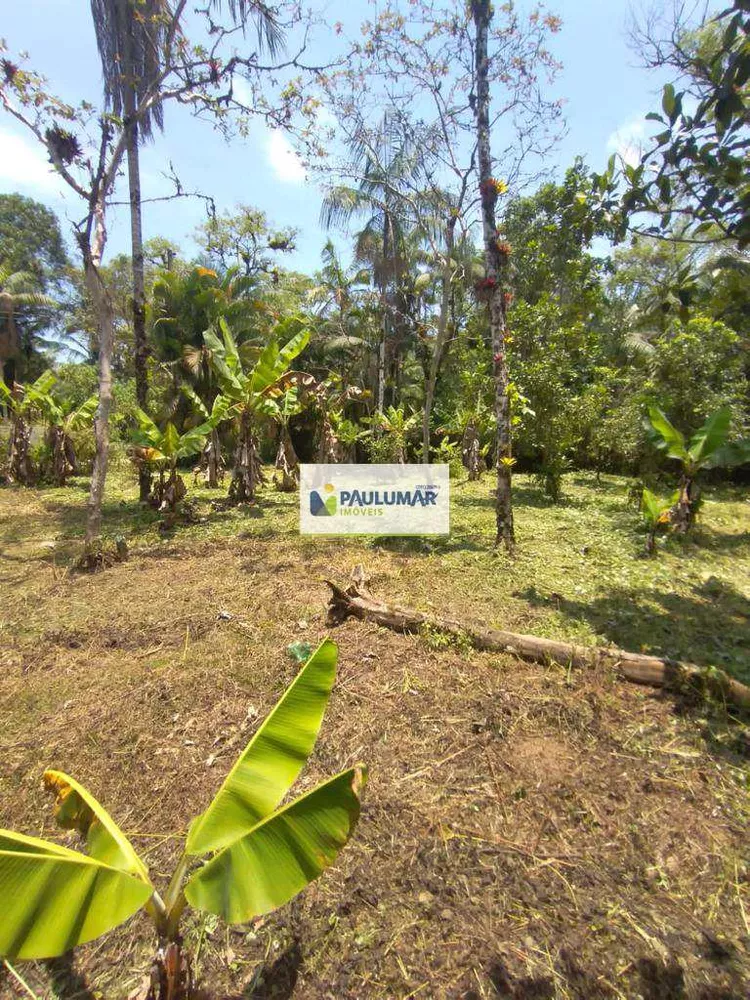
[275, 980]
[523, 496]
[710, 628]
[66, 982]
[654, 978]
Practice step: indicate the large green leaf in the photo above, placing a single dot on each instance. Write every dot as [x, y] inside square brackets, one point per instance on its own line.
[294, 347]
[77, 809]
[231, 354]
[84, 414]
[170, 441]
[43, 384]
[52, 899]
[730, 455]
[192, 441]
[710, 437]
[148, 433]
[265, 370]
[278, 858]
[670, 439]
[271, 761]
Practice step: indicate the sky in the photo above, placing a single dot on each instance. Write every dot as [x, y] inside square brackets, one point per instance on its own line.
[606, 94]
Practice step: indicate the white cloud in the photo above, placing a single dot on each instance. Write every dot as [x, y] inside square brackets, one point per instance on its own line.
[628, 140]
[282, 158]
[24, 164]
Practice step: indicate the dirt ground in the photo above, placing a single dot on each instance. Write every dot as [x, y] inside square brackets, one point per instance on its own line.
[527, 832]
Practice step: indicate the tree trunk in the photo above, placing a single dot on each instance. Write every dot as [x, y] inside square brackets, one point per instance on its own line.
[356, 601]
[214, 464]
[247, 472]
[384, 309]
[171, 976]
[287, 463]
[140, 342]
[105, 322]
[440, 339]
[470, 451]
[494, 282]
[329, 450]
[20, 466]
[682, 514]
[60, 448]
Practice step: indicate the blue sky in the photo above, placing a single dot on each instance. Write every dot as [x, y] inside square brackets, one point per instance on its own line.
[606, 98]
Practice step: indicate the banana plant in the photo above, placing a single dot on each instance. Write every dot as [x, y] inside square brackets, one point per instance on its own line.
[63, 419]
[243, 857]
[285, 403]
[656, 514]
[23, 403]
[211, 461]
[162, 449]
[247, 390]
[708, 448]
[390, 433]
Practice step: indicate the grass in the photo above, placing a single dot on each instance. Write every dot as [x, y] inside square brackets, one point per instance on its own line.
[527, 832]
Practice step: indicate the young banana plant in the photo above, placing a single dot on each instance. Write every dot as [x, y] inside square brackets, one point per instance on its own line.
[23, 404]
[162, 449]
[708, 448]
[244, 856]
[656, 514]
[247, 389]
[63, 420]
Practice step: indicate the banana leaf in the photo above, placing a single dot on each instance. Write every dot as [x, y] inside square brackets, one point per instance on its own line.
[272, 760]
[278, 858]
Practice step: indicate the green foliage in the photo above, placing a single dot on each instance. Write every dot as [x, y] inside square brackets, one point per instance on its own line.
[695, 167]
[708, 448]
[390, 434]
[258, 855]
[164, 448]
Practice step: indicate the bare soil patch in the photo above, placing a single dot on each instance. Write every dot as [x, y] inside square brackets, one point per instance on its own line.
[527, 832]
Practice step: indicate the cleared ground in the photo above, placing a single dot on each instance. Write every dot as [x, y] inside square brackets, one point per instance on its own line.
[528, 832]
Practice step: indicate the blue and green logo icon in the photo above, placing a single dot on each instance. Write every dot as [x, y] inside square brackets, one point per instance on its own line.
[320, 507]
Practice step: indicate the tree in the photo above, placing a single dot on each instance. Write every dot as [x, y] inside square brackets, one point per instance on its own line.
[130, 36]
[494, 286]
[248, 391]
[88, 150]
[243, 241]
[695, 169]
[31, 240]
[381, 158]
[23, 403]
[18, 289]
[162, 449]
[708, 448]
[64, 418]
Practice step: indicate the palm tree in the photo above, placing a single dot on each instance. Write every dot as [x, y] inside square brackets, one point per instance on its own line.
[129, 36]
[381, 160]
[17, 289]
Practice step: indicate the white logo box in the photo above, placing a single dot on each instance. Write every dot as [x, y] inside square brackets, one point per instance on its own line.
[374, 500]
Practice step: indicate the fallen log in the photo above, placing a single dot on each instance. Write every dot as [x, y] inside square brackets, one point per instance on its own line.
[356, 601]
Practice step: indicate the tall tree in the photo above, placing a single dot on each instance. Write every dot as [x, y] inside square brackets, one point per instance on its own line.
[88, 151]
[17, 289]
[130, 35]
[694, 170]
[494, 285]
[381, 158]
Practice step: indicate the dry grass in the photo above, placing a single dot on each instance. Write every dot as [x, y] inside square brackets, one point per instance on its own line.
[526, 833]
